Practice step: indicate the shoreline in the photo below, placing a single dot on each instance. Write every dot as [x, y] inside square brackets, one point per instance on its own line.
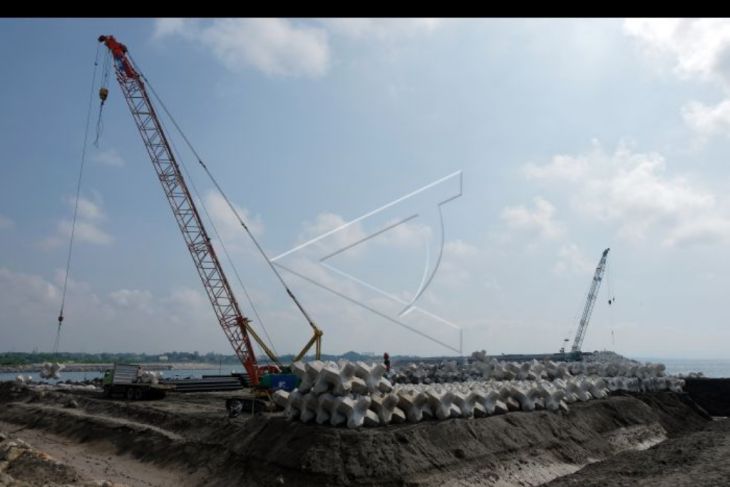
[101, 367]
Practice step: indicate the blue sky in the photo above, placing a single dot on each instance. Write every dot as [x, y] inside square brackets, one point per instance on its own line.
[570, 136]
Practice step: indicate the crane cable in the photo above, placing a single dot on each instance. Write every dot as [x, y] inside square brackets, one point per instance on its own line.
[223, 245]
[103, 92]
[611, 296]
[611, 302]
[76, 205]
[228, 202]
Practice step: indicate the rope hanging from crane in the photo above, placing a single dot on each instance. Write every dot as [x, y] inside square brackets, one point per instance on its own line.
[76, 207]
[611, 295]
[103, 94]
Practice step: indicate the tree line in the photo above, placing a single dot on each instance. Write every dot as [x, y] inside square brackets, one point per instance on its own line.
[24, 358]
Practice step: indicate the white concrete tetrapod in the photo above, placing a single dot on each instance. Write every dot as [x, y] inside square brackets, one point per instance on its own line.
[280, 398]
[310, 401]
[386, 407]
[412, 403]
[466, 402]
[311, 372]
[527, 401]
[294, 407]
[597, 387]
[357, 411]
[329, 379]
[486, 399]
[324, 403]
[336, 417]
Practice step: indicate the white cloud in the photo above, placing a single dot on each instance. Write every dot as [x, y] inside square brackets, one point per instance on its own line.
[539, 220]
[571, 258]
[381, 29]
[30, 286]
[708, 120]
[633, 191]
[109, 158]
[709, 228]
[459, 248]
[118, 321]
[131, 298]
[88, 210]
[282, 47]
[166, 27]
[88, 230]
[227, 223]
[700, 48]
[277, 47]
[405, 235]
[561, 167]
[457, 265]
[6, 222]
[344, 235]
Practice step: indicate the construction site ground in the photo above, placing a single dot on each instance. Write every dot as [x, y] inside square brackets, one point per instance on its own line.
[188, 440]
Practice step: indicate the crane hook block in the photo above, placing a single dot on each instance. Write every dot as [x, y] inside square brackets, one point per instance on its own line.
[103, 93]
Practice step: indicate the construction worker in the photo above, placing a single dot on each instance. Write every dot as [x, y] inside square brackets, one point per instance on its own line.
[386, 361]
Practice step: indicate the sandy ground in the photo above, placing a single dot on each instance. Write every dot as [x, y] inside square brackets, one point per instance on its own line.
[187, 440]
[93, 462]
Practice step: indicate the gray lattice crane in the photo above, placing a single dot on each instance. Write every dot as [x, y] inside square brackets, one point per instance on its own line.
[590, 301]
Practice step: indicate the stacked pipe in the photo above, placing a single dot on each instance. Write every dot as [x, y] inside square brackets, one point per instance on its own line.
[357, 394]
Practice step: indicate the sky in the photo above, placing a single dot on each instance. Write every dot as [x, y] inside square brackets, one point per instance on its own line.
[423, 186]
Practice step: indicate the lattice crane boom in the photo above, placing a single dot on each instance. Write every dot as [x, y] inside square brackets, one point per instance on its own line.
[590, 301]
[235, 325]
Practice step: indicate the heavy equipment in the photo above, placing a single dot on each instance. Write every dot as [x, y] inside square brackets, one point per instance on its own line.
[131, 381]
[236, 326]
[588, 308]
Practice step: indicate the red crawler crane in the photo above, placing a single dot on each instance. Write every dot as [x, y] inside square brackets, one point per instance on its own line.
[236, 326]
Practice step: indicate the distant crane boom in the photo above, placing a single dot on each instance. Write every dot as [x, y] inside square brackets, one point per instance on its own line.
[590, 301]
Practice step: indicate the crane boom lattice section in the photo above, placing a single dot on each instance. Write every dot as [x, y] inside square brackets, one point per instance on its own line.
[590, 302]
[233, 322]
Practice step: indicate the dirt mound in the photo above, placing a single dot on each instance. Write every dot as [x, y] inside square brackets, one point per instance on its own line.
[515, 448]
[677, 417]
[697, 459]
[524, 447]
[23, 465]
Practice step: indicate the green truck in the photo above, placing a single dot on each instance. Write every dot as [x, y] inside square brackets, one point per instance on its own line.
[127, 381]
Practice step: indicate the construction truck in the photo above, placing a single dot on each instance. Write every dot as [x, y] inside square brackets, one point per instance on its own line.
[131, 382]
[263, 379]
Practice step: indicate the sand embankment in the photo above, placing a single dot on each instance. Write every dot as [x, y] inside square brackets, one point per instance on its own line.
[191, 433]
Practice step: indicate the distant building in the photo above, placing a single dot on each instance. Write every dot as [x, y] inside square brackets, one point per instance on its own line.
[162, 358]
